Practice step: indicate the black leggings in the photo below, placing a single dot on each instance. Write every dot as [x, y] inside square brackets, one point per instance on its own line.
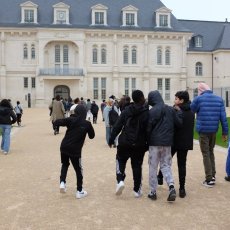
[76, 162]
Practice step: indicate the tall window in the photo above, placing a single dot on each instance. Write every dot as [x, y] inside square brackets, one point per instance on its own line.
[99, 18]
[125, 55]
[195, 92]
[126, 86]
[130, 19]
[25, 51]
[198, 41]
[103, 88]
[29, 16]
[33, 83]
[134, 55]
[167, 57]
[95, 88]
[164, 20]
[160, 85]
[95, 59]
[159, 56]
[199, 69]
[25, 82]
[65, 59]
[167, 89]
[103, 55]
[57, 59]
[33, 54]
[133, 84]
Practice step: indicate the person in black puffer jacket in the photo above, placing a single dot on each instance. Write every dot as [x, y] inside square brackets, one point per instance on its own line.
[71, 146]
[183, 139]
[132, 142]
[7, 118]
[162, 120]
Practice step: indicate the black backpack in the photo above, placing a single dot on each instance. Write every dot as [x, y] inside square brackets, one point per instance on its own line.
[113, 116]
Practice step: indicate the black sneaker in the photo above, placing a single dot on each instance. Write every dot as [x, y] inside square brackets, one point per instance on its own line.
[227, 178]
[208, 184]
[213, 180]
[182, 193]
[152, 195]
[160, 180]
[172, 195]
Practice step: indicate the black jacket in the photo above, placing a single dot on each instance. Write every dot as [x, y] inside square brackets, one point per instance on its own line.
[77, 128]
[7, 116]
[132, 110]
[162, 119]
[94, 108]
[183, 137]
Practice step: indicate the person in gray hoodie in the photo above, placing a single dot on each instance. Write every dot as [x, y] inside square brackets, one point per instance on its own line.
[160, 129]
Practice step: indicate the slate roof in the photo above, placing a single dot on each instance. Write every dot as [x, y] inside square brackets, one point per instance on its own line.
[80, 14]
[216, 35]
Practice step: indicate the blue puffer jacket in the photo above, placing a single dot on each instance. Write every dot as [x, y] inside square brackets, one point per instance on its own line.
[210, 111]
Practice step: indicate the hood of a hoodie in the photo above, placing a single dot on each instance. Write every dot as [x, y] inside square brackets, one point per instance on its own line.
[154, 98]
[135, 109]
[80, 112]
[4, 111]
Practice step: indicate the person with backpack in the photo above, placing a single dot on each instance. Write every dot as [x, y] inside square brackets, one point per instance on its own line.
[94, 111]
[19, 111]
[108, 123]
[132, 141]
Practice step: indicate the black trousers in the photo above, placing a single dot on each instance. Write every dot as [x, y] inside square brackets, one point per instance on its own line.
[55, 127]
[181, 163]
[76, 162]
[136, 157]
[94, 118]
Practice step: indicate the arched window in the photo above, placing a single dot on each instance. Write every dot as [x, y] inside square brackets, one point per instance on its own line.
[199, 69]
[25, 51]
[103, 55]
[167, 57]
[134, 55]
[159, 56]
[95, 59]
[125, 55]
[33, 54]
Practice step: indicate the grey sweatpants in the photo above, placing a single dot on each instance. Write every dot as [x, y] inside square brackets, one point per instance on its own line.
[162, 155]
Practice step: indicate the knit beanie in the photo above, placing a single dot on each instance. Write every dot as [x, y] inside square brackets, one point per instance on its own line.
[202, 87]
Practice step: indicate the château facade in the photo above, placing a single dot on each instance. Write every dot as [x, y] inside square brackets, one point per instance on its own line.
[95, 48]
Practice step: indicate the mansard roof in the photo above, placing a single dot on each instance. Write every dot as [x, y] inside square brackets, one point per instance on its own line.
[215, 34]
[80, 14]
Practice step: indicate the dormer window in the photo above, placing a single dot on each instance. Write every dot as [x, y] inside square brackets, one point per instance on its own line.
[61, 13]
[198, 41]
[29, 12]
[99, 15]
[129, 16]
[163, 17]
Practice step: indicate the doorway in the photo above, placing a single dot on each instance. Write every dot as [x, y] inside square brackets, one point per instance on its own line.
[63, 91]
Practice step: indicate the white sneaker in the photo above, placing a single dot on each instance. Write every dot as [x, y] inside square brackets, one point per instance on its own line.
[81, 194]
[62, 187]
[137, 194]
[5, 152]
[120, 187]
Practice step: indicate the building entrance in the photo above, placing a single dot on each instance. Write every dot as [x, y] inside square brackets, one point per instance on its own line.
[63, 91]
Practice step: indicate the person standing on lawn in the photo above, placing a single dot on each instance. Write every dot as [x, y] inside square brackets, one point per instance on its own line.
[210, 111]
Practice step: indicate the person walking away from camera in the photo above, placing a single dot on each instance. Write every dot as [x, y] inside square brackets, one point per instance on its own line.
[210, 111]
[58, 112]
[72, 108]
[19, 111]
[7, 118]
[103, 104]
[88, 108]
[162, 119]
[183, 139]
[71, 147]
[108, 127]
[227, 178]
[94, 111]
[132, 141]
[124, 101]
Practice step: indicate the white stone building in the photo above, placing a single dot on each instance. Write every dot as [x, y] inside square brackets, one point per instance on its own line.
[97, 48]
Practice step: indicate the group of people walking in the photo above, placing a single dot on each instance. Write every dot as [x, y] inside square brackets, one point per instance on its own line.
[151, 125]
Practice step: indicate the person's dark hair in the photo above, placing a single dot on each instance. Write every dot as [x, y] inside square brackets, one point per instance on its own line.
[138, 96]
[18, 102]
[183, 95]
[5, 103]
[58, 98]
[76, 100]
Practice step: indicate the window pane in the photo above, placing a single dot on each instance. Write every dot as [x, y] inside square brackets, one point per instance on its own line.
[159, 57]
[159, 84]
[133, 84]
[199, 69]
[99, 18]
[32, 52]
[164, 20]
[25, 52]
[103, 56]
[167, 89]
[25, 82]
[33, 82]
[134, 56]
[103, 88]
[125, 56]
[57, 53]
[95, 88]
[126, 86]
[167, 57]
[94, 55]
[130, 19]
[29, 16]
[65, 54]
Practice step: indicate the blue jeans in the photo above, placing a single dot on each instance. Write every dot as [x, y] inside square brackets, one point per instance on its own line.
[108, 131]
[228, 160]
[5, 145]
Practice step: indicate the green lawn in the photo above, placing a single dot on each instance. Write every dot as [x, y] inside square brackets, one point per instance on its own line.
[218, 136]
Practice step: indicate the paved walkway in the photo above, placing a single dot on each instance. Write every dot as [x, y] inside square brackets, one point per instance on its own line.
[30, 198]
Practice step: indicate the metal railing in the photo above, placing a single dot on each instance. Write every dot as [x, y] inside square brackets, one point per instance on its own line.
[62, 72]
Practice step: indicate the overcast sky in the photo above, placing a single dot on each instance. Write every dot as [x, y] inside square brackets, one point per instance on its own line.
[207, 10]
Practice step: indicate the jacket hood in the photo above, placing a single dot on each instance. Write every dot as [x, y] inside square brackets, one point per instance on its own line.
[135, 109]
[80, 112]
[4, 110]
[154, 98]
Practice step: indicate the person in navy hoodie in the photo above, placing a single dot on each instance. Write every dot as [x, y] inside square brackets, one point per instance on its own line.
[227, 178]
[71, 146]
[210, 111]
